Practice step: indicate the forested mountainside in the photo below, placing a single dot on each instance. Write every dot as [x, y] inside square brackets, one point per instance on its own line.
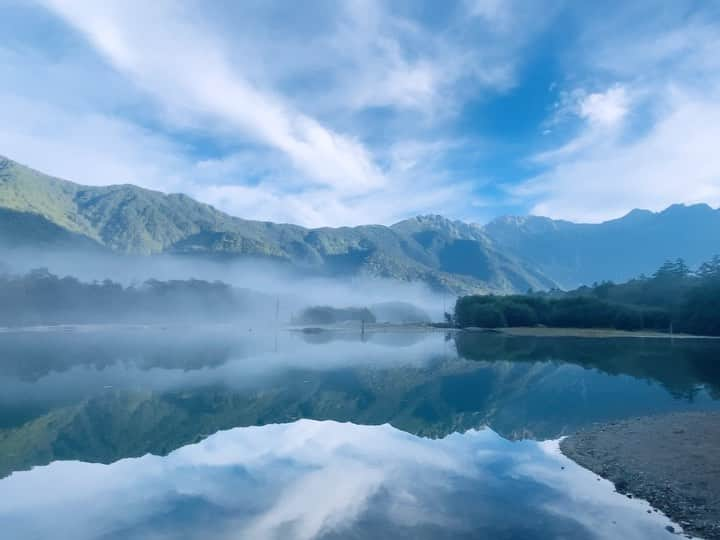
[37, 209]
[509, 254]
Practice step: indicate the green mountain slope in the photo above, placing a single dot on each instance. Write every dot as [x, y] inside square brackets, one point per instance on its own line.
[129, 219]
[124, 218]
[509, 254]
[19, 229]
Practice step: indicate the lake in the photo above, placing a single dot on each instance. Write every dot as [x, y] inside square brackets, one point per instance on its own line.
[228, 433]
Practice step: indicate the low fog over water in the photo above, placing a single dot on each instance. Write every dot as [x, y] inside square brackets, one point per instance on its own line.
[283, 290]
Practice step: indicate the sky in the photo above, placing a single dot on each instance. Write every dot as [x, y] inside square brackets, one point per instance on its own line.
[327, 113]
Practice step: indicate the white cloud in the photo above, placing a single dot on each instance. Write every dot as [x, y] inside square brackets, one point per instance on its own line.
[208, 78]
[97, 149]
[605, 108]
[173, 54]
[90, 148]
[310, 175]
[492, 10]
[345, 113]
[185, 69]
[599, 177]
[642, 42]
[320, 207]
[374, 69]
[648, 139]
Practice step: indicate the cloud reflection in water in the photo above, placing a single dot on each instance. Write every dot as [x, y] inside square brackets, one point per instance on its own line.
[312, 479]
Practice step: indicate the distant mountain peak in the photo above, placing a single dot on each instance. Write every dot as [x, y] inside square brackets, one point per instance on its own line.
[433, 219]
[673, 209]
[683, 208]
[434, 222]
[639, 212]
[528, 224]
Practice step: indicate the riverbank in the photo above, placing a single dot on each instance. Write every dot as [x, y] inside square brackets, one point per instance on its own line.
[672, 461]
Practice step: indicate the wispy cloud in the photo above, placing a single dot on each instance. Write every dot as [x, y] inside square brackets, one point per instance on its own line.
[367, 111]
[91, 148]
[645, 140]
[186, 69]
[285, 111]
[604, 176]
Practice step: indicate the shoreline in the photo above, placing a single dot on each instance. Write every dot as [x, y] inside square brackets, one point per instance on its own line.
[671, 460]
[594, 333]
[516, 331]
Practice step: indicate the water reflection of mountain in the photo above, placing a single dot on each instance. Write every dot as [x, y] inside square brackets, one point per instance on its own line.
[32, 354]
[521, 387]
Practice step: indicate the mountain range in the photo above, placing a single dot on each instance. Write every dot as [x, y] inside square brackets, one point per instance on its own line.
[509, 254]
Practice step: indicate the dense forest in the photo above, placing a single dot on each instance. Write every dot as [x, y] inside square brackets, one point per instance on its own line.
[40, 298]
[674, 298]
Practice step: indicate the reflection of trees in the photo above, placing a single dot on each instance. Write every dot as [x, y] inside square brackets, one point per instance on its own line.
[681, 366]
[521, 387]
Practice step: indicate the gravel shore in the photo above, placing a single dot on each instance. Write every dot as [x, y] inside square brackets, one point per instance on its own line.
[672, 461]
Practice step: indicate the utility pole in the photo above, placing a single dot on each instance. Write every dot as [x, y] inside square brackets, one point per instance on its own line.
[672, 336]
[277, 321]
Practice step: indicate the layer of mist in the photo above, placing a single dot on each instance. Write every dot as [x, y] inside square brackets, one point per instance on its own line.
[271, 291]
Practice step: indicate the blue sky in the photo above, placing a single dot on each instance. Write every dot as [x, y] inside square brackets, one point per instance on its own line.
[350, 112]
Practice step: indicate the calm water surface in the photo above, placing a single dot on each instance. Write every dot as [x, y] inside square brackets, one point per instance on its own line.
[196, 433]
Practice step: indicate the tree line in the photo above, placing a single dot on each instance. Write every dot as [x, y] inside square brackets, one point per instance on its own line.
[40, 297]
[674, 298]
[332, 315]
